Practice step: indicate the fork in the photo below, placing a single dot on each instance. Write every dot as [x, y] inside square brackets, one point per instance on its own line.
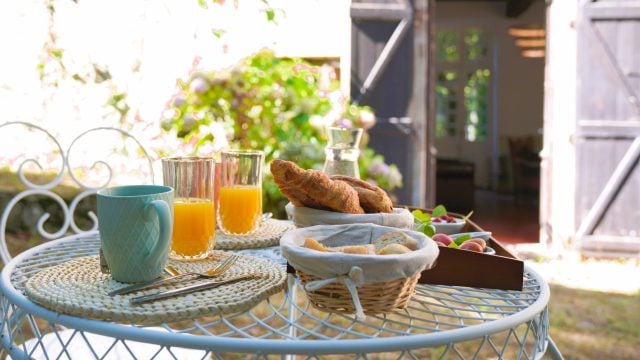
[188, 289]
[104, 268]
[213, 272]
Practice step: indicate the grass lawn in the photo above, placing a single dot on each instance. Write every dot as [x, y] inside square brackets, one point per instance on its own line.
[595, 325]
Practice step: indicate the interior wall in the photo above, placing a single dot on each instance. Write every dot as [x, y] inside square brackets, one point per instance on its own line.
[518, 81]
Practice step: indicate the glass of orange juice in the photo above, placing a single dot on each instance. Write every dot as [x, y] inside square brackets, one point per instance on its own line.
[240, 194]
[194, 220]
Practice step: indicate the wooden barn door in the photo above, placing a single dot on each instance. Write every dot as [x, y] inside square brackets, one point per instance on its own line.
[389, 72]
[608, 127]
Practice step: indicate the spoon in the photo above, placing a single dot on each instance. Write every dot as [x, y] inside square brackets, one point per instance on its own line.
[171, 271]
[215, 271]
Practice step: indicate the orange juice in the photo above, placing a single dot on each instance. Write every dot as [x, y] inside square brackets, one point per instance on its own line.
[193, 227]
[239, 208]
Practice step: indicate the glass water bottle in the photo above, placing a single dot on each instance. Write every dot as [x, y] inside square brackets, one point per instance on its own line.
[342, 152]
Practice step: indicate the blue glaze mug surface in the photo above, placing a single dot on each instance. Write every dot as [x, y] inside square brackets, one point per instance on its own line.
[135, 224]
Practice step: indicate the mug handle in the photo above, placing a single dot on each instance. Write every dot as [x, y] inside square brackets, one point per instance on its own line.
[164, 220]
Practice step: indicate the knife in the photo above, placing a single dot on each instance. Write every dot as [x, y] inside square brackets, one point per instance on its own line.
[142, 286]
[186, 289]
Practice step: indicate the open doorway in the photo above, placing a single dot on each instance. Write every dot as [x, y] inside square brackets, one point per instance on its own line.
[489, 115]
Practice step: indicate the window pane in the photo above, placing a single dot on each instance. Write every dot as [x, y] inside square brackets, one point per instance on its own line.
[458, 90]
[451, 124]
[447, 42]
[440, 127]
[476, 92]
[446, 104]
[475, 41]
[442, 110]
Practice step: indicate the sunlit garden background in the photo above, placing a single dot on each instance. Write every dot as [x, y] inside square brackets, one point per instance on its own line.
[195, 76]
[185, 78]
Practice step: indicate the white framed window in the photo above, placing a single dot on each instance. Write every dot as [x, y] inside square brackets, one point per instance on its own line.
[463, 83]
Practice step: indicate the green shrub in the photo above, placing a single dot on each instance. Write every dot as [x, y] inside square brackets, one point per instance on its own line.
[277, 105]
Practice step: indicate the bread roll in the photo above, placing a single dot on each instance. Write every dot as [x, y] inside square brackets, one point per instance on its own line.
[314, 244]
[368, 249]
[392, 249]
[395, 237]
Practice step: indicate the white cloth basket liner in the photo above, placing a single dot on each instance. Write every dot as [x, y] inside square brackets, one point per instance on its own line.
[375, 268]
[304, 216]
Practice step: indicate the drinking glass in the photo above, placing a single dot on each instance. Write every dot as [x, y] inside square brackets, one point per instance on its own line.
[240, 200]
[194, 220]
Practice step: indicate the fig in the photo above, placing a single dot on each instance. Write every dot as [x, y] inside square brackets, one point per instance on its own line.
[442, 238]
[471, 246]
[479, 241]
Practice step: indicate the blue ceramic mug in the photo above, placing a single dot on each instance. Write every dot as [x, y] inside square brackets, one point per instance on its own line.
[135, 224]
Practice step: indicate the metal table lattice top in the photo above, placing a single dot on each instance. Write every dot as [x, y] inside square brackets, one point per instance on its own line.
[456, 320]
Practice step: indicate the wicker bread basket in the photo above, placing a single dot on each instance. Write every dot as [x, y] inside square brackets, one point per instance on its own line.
[349, 283]
[376, 298]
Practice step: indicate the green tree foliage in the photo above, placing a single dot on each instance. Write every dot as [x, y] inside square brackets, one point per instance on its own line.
[277, 105]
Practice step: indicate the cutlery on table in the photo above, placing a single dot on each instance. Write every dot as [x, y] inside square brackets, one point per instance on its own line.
[170, 270]
[266, 216]
[104, 268]
[187, 289]
[213, 272]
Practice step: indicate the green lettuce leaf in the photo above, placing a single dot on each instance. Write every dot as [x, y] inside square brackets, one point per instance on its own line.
[460, 239]
[439, 210]
[421, 216]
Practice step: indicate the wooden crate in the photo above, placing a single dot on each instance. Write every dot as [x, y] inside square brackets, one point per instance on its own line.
[468, 268]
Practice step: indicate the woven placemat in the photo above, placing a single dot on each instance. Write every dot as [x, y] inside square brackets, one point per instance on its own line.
[78, 288]
[268, 234]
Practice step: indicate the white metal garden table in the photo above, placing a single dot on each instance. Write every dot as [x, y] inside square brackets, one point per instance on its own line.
[440, 322]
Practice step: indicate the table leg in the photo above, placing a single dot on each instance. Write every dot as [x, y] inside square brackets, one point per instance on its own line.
[293, 312]
[553, 350]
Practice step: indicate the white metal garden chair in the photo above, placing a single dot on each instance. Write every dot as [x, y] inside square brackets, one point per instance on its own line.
[50, 340]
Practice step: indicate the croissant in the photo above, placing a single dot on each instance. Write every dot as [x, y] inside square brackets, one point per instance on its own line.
[372, 198]
[315, 189]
